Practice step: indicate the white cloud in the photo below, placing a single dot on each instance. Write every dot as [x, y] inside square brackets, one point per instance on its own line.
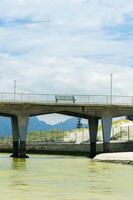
[63, 46]
[64, 75]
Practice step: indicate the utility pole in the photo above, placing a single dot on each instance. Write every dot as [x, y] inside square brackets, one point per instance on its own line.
[111, 87]
[14, 90]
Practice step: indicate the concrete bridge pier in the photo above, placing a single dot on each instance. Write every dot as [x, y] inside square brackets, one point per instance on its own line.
[19, 130]
[23, 126]
[106, 128]
[93, 128]
[15, 133]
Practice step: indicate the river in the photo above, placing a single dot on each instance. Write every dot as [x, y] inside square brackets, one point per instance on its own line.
[48, 177]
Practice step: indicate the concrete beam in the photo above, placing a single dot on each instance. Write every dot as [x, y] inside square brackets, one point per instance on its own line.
[93, 128]
[106, 128]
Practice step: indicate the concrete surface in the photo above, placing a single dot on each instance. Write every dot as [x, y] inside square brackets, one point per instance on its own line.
[122, 157]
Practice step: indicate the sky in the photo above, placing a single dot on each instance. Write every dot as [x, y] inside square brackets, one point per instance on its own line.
[66, 46]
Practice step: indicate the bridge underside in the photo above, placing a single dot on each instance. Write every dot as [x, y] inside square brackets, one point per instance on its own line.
[20, 113]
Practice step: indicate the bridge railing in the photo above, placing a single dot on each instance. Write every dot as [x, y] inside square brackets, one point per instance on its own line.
[79, 99]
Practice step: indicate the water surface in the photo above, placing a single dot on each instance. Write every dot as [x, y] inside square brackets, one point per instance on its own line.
[63, 178]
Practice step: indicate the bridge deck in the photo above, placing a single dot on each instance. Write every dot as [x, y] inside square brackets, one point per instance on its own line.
[77, 109]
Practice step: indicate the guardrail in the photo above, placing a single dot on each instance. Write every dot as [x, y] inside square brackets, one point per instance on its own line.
[79, 99]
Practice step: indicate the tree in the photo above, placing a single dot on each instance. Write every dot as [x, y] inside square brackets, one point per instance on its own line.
[79, 124]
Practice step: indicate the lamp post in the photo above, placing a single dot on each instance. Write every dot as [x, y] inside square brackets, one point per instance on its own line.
[14, 90]
[111, 87]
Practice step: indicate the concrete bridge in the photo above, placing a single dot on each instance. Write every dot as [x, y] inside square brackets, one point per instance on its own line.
[20, 106]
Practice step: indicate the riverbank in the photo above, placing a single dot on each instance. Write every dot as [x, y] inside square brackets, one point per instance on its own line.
[122, 157]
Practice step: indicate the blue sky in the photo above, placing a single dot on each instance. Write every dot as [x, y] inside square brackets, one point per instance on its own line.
[56, 46]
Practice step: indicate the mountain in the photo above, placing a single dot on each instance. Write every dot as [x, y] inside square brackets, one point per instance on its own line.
[5, 126]
[37, 125]
[69, 124]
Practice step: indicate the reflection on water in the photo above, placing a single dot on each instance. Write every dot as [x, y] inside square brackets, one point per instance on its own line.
[19, 163]
[63, 178]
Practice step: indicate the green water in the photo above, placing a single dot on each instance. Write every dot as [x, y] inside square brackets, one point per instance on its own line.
[63, 178]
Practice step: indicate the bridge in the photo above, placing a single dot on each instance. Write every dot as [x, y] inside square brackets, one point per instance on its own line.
[21, 106]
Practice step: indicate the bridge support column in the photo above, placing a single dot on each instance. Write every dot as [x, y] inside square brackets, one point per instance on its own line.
[19, 130]
[93, 127]
[106, 127]
[15, 133]
[23, 126]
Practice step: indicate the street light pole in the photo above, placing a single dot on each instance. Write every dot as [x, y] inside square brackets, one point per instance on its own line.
[111, 87]
[14, 90]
